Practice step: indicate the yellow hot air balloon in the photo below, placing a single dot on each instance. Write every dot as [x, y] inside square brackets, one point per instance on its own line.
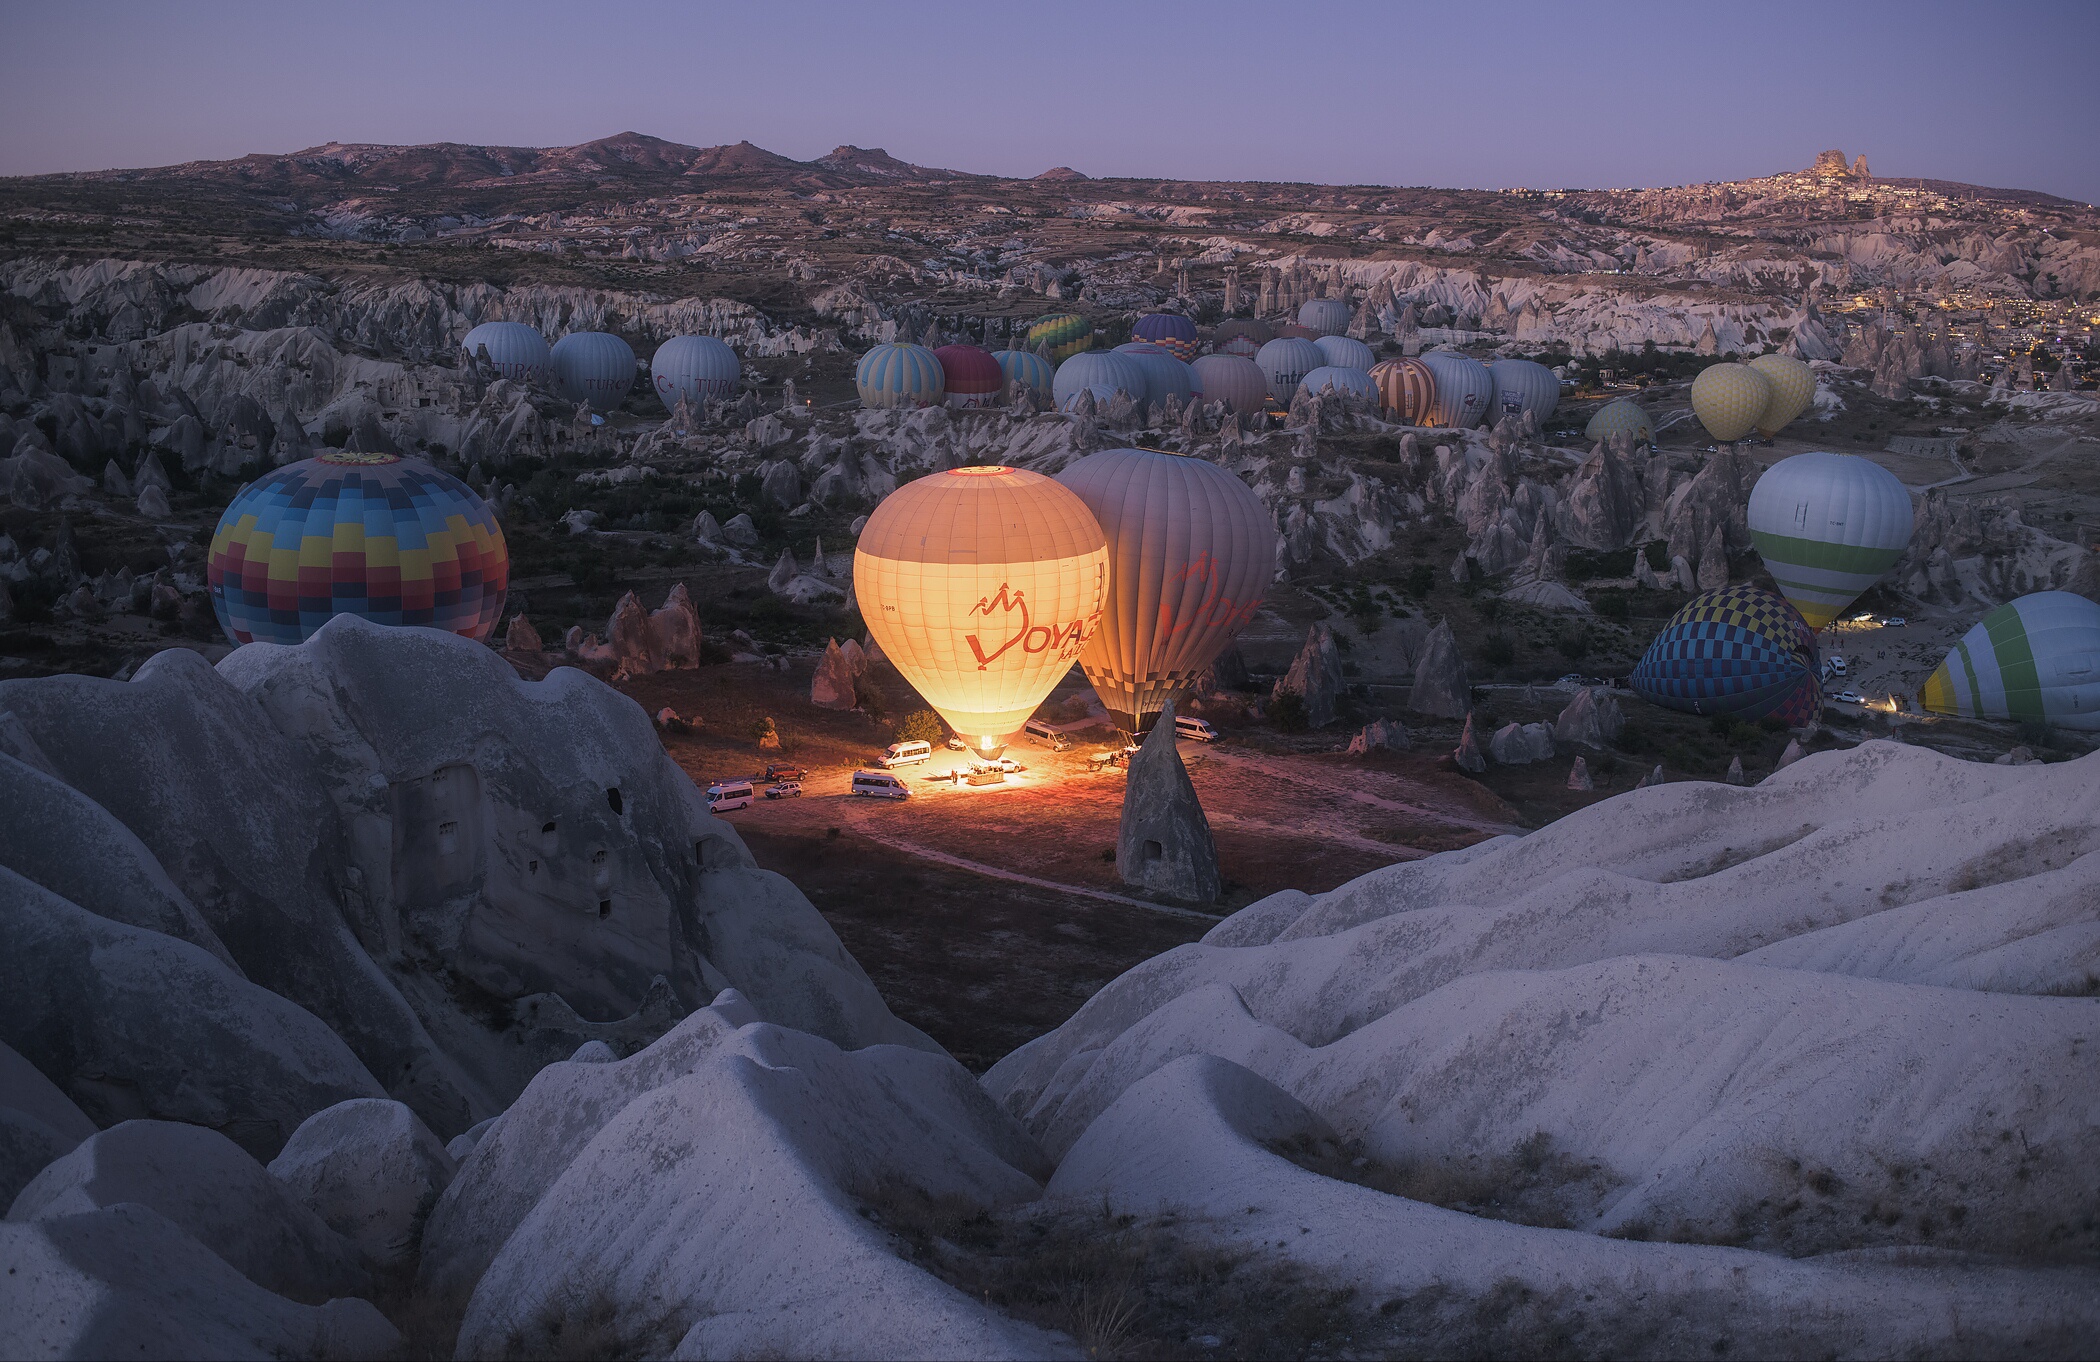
[983, 586]
[1793, 388]
[1728, 399]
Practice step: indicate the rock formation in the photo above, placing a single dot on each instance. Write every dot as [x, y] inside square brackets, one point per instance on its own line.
[1591, 719]
[1521, 744]
[1579, 776]
[1440, 686]
[832, 686]
[1315, 677]
[1163, 843]
[1468, 754]
[1380, 735]
[521, 637]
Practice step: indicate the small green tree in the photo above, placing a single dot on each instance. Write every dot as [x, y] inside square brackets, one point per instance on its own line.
[1288, 711]
[1498, 650]
[922, 725]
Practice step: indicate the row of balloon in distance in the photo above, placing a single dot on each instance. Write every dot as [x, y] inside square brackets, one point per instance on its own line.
[983, 585]
[599, 368]
[1828, 526]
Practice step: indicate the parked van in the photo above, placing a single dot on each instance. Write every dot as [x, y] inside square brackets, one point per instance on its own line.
[879, 785]
[730, 794]
[1039, 731]
[1188, 726]
[905, 753]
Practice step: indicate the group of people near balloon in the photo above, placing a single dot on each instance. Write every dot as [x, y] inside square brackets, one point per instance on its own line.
[983, 585]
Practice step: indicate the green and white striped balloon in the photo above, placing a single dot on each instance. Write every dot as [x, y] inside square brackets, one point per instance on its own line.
[1828, 526]
[2036, 658]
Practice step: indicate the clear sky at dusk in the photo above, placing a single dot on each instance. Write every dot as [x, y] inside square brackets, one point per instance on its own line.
[1483, 95]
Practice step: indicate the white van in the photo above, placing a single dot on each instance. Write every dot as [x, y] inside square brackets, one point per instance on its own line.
[879, 785]
[1039, 730]
[730, 794]
[1188, 726]
[905, 753]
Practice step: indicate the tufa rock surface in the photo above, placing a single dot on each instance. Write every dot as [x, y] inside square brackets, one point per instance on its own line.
[1163, 843]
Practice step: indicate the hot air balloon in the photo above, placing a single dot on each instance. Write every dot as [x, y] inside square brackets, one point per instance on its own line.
[1728, 399]
[1463, 387]
[983, 587]
[1174, 334]
[518, 352]
[595, 367]
[1333, 377]
[1286, 360]
[1165, 376]
[1740, 651]
[1406, 390]
[1346, 352]
[1191, 550]
[1621, 415]
[389, 539]
[696, 368]
[1523, 385]
[1235, 380]
[1324, 316]
[1793, 389]
[1293, 331]
[1103, 371]
[2035, 659]
[970, 376]
[1241, 336]
[1028, 367]
[899, 376]
[1065, 334]
[1828, 526]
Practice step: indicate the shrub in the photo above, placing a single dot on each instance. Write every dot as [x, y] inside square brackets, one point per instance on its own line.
[1288, 711]
[1499, 650]
[1613, 605]
[1573, 645]
[1421, 580]
[922, 725]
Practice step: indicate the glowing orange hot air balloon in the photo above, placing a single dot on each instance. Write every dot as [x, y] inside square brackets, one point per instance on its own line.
[983, 586]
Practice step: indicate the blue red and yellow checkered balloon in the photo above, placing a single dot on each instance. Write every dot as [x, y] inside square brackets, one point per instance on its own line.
[389, 539]
[1740, 651]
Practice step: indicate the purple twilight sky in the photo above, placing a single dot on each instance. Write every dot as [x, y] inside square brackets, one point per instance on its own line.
[1465, 94]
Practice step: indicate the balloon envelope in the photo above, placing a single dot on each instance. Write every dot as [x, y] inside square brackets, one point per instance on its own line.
[1793, 386]
[1728, 399]
[1235, 380]
[518, 351]
[1191, 551]
[1324, 316]
[696, 368]
[1346, 352]
[389, 539]
[1740, 651]
[1064, 334]
[1241, 336]
[1333, 377]
[1406, 390]
[1028, 367]
[1170, 332]
[595, 367]
[1621, 416]
[1104, 371]
[969, 375]
[982, 586]
[1165, 376]
[899, 376]
[1523, 385]
[2035, 659]
[1286, 360]
[1463, 387]
[1828, 526]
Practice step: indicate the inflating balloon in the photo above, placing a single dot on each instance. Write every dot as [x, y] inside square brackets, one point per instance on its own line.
[1165, 376]
[1346, 352]
[1103, 372]
[1324, 316]
[1523, 385]
[1335, 378]
[1191, 551]
[389, 539]
[1621, 416]
[970, 377]
[1406, 390]
[1828, 526]
[1728, 399]
[1286, 360]
[1740, 651]
[1170, 332]
[593, 366]
[900, 376]
[2035, 659]
[1463, 387]
[1793, 389]
[1062, 335]
[1028, 367]
[1235, 380]
[517, 350]
[696, 368]
[982, 586]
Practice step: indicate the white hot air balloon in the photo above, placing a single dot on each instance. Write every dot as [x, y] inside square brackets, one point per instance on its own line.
[1191, 551]
[1165, 376]
[1463, 388]
[518, 351]
[1346, 352]
[1828, 526]
[2035, 659]
[595, 367]
[696, 368]
[1328, 316]
[1233, 380]
[1334, 377]
[1285, 361]
[1103, 372]
[1523, 385]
